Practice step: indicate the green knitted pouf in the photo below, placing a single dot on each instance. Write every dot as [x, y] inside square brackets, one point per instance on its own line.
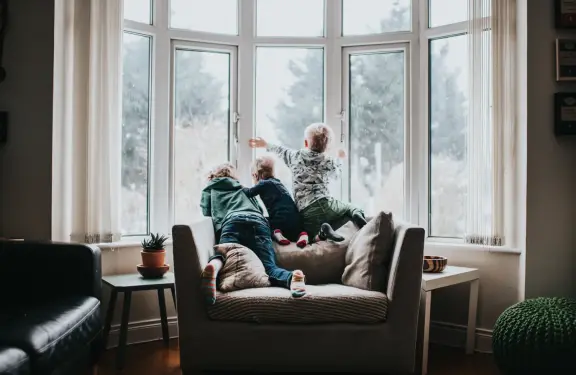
[537, 336]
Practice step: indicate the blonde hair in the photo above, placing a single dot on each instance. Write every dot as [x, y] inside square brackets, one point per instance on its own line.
[319, 136]
[222, 170]
[263, 167]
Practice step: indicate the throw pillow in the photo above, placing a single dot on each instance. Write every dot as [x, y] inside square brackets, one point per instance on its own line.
[369, 254]
[322, 262]
[242, 268]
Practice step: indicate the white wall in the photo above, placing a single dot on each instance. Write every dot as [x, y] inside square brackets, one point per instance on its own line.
[25, 161]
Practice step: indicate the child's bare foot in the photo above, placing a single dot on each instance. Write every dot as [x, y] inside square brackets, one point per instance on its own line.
[302, 240]
[279, 237]
[327, 233]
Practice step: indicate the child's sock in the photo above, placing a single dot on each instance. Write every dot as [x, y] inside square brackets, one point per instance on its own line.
[327, 233]
[208, 282]
[297, 285]
[302, 240]
[359, 220]
[279, 237]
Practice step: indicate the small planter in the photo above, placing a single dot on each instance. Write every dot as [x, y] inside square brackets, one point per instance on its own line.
[153, 257]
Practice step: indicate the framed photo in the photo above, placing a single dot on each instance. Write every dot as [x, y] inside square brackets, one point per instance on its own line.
[565, 59]
[565, 113]
[565, 14]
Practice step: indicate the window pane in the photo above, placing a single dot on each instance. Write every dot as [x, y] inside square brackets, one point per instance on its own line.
[289, 96]
[290, 17]
[448, 128]
[135, 133]
[138, 10]
[214, 16]
[362, 17]
[445, 12]
[201, 125]
[377, 121]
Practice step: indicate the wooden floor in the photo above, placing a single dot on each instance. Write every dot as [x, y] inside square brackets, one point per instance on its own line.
[155, 359]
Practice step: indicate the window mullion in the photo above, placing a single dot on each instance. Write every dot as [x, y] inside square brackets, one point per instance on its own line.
[246, 87]
[333, 81]
[421, 158]
[161, 173]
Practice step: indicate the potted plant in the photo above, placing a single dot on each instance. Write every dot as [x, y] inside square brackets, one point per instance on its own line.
[153, 252]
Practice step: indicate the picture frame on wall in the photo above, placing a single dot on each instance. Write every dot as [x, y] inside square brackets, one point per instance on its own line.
[565, 60]
[565, 113]
[565, 11]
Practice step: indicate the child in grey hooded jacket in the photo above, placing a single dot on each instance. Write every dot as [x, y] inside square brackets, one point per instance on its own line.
[312, 170]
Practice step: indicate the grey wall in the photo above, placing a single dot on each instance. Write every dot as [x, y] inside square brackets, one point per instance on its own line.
[25, 161]
[550, 257]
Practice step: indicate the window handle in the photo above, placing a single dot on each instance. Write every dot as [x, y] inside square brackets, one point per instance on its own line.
[343, 122]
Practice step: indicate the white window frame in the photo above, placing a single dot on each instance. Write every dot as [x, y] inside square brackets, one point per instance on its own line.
[232, 51]
[415, 44]
[408, 124]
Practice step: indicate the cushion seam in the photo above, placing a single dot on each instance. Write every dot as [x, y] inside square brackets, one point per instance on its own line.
[56, 341]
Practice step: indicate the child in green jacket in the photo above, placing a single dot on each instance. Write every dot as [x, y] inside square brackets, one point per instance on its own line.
[239, 219]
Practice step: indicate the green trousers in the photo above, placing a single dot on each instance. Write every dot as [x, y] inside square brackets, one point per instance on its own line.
[327, 210]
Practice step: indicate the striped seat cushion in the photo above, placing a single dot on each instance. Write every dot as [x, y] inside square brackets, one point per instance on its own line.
[330, 303]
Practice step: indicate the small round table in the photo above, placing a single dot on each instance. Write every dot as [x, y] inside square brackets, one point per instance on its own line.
[133, 283]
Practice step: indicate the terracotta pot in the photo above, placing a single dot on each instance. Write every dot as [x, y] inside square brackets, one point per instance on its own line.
[153, 259]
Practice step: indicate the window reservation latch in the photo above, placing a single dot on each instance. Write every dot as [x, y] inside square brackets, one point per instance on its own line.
[235, 120]
[342, 125]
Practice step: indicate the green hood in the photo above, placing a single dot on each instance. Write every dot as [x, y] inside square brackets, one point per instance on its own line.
[223, 184]
[223, 196]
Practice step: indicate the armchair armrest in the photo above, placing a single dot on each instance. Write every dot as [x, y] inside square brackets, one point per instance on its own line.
[33, 271]
[192, 246]
[405, 279]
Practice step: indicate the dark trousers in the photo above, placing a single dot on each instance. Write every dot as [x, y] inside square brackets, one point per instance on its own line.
[253, 231]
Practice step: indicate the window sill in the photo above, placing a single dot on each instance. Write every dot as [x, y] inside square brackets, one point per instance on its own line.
[448, 245]
[124, 244]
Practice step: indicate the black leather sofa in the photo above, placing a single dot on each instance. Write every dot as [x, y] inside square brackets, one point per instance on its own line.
[50, 319]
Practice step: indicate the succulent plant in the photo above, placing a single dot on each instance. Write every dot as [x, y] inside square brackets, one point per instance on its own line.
[154, 243]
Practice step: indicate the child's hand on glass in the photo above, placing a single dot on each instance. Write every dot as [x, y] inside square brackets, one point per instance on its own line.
[257, 142]
[341, 154]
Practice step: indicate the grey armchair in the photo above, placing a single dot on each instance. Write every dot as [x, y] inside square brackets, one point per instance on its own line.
[208, 344]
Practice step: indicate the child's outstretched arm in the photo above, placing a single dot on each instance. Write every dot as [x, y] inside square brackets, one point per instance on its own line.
[334, 165]
[287, 155]
[254, 190]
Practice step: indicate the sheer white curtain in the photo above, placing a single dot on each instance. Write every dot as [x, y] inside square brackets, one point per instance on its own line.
[87, 121]
[491, 117]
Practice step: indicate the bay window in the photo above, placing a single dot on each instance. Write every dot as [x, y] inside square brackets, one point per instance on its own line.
[202, 77]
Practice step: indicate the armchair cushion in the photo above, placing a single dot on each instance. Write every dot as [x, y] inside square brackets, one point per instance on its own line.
[322, 262]
[369, 254]
[242, 269]
[52, 333]
[323, 304]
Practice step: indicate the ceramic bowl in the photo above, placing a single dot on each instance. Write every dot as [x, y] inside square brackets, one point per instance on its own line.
[434, 264]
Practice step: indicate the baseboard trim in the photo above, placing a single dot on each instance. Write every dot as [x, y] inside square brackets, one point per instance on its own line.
[454, 335]
[443, 333]
[143, 331]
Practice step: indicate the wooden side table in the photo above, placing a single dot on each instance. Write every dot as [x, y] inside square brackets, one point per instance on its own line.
[133, 283]
[451, 276]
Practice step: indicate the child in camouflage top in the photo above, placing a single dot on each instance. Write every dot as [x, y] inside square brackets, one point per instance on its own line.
[311, 170]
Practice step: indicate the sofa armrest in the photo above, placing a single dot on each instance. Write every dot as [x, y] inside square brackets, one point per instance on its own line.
[40, 271]
[192, 247]
[405, 278]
